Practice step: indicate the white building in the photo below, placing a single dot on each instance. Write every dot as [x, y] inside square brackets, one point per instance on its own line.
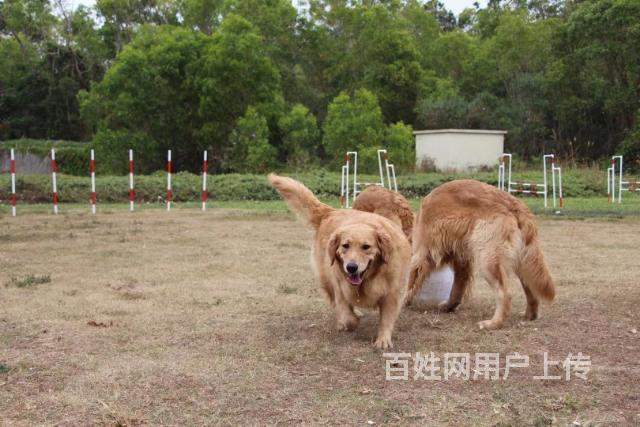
[458, 149]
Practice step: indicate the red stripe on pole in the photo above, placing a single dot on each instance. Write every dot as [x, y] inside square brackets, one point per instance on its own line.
[93, 165]
[13, 199]
[53, 166]
[55, 198]
[169, 166]
[130, 166]
[168, 195]
[13, 166]
[561, 203]
[204, 166]
[386, 155]
[93, 198]
[131, 195]
[205, 195]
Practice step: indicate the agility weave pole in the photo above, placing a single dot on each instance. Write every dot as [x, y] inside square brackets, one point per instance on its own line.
[54, 185]
[518, 187]
[616, 180]
[346, 195]
[13, 183]
[131, 191]
[169, 180]
[93, 182]
[204, 182]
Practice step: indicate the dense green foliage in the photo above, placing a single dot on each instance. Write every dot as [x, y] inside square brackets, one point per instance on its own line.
[314, 81]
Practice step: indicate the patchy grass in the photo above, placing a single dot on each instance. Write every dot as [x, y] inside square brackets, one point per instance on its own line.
[202, 327]
[28, 281]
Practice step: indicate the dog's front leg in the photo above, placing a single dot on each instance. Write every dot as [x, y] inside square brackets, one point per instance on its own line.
[389, 307]
[347, 320]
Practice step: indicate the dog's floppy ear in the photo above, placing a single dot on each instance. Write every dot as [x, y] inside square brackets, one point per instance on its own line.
[332, 247]
[384, 245]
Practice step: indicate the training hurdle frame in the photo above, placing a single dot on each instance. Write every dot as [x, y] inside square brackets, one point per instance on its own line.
[505, 170]
[616, 180]
[347, 175]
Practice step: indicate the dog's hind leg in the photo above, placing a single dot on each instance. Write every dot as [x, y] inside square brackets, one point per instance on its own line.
[495, 275]
[461, 280]
[421, 268]
[532, 304]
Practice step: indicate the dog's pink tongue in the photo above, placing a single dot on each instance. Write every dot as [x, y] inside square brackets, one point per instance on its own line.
[355, 279]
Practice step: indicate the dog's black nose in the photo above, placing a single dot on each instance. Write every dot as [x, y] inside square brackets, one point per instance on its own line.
[352, 267]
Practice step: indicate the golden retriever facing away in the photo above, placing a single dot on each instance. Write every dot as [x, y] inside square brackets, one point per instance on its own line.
[389, 204]
[360, 259]
[477, 227]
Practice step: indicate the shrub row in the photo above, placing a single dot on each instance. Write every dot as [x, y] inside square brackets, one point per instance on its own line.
[186, 186]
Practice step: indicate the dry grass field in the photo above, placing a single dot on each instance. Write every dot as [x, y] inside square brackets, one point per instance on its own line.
[185, 318]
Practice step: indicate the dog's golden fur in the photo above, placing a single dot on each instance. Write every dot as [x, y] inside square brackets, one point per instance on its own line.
[372, 246]
[476, 227]
[389, 204]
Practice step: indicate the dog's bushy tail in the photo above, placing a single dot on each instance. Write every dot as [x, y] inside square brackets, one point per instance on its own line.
[534, 273]
[418, 272]
[300, 200]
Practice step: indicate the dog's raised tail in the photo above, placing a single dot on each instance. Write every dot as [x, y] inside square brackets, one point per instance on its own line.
[300, 200]
[534, 273]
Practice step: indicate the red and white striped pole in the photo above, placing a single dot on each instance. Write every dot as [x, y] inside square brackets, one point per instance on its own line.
[93, 182]
[169, 180]
[131, 192]
[204, 182]
[53, 181]
[13, 183]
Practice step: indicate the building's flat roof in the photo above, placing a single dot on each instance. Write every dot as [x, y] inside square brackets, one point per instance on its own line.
[471, 131]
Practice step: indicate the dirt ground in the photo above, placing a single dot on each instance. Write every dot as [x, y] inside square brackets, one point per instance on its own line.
[185, 318]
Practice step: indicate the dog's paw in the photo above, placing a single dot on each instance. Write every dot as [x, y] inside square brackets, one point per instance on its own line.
[489, 324]
[529, 315]
[447, 306]
[348, 324]
[383, 342]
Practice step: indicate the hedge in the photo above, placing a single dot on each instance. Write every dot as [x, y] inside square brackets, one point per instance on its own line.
[186, 186]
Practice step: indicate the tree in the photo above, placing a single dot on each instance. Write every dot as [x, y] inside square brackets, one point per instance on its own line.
[354, 124]
[400, 144]
[300, 136]
[251, 151]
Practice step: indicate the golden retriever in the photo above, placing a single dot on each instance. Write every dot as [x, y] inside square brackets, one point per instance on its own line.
[477, 227]
[359, 258]
[389, 204]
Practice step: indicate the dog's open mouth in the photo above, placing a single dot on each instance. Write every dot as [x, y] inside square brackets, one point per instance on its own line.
[355, 279]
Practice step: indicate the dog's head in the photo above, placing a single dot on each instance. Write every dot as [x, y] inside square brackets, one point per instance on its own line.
[360, 248]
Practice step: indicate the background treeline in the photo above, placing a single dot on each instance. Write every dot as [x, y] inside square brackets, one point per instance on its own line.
[265, 84]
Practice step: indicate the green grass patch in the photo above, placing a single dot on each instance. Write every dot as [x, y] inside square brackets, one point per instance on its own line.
[28, 281]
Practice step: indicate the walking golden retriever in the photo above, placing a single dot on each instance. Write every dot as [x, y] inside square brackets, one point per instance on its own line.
[359, 258]
[389, 204]
[476, 227]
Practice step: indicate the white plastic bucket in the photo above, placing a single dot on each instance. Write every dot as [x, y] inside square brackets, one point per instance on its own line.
[437, 287]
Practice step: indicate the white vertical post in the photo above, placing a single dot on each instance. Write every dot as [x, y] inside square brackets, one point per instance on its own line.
[131, 191]
[546, 181]
[560, 187]
[93, 182]
[342, 186]
[609, 170]
[346, 195]
[386, 166]
[380, 153]
[169, 180]
[204, 182]
[613, 179]
[553, 179]
[355, 175]
[13, 183]
[620, 182]
[54, 184]
[393, 175]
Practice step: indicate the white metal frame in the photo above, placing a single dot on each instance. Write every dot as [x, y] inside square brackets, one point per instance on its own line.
[347, 196]
[506, 184]
[616, 180]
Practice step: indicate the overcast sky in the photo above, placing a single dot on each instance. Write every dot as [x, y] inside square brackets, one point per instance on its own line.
[456, 6]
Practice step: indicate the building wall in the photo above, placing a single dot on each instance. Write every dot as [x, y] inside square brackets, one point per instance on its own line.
[454, 149]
